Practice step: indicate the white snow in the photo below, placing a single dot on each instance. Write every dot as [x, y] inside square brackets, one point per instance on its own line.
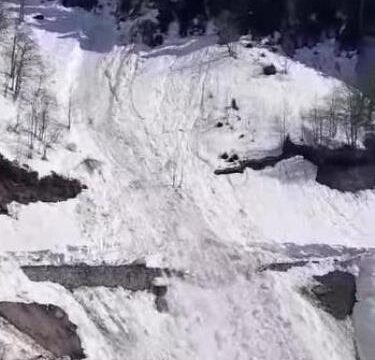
[231, 312]
[150, 118]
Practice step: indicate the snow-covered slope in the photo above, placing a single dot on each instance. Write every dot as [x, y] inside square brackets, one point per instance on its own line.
[150, 119]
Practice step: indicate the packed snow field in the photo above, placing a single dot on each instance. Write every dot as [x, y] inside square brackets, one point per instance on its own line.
[149, 119]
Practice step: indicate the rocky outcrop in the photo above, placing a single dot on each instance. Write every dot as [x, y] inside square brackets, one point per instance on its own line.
[48, 325]
[336, 293]
[24, 186]
[133, 277]
[345, 169]
[269, 70]
[283, 266]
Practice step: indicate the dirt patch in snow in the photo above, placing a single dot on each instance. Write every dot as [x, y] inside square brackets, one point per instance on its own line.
[47, 325]
[24, 186]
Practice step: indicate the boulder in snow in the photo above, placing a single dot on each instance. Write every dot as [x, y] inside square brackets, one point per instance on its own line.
[38, 17]
[269, 70]
[336, 293]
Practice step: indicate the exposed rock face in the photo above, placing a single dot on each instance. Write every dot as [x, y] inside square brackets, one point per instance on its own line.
[24, 186]
[344, 169]
[38, 17]
[130, 277]
[48, 325]
[336, 293]
[284, 266]
[269, 70]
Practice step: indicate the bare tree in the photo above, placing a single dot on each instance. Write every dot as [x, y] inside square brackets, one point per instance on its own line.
[348, 111]
[21, 12]
[24, 62]
[43, 127]
[33, 116]
[49, 129]
[4, 22]
[285, 64]
[353, 114]
[70, 109]
[332, 114]
[282, 120]
[9, 25]
[315, 116]
[37, 115]
[368, 87]
[285, 118]
[227, 31]
[324, 119]
[26, 79]
[12, 71]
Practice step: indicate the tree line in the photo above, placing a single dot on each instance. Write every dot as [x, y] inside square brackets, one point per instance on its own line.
[26, 83]
[347, 113]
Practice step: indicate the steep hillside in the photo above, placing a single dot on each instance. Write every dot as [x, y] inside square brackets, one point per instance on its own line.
[149, 127]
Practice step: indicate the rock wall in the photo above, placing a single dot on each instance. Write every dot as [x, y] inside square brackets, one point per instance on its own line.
[47, 325]
[132, 277]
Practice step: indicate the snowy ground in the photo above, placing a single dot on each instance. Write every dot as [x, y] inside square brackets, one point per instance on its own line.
[150, 118]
